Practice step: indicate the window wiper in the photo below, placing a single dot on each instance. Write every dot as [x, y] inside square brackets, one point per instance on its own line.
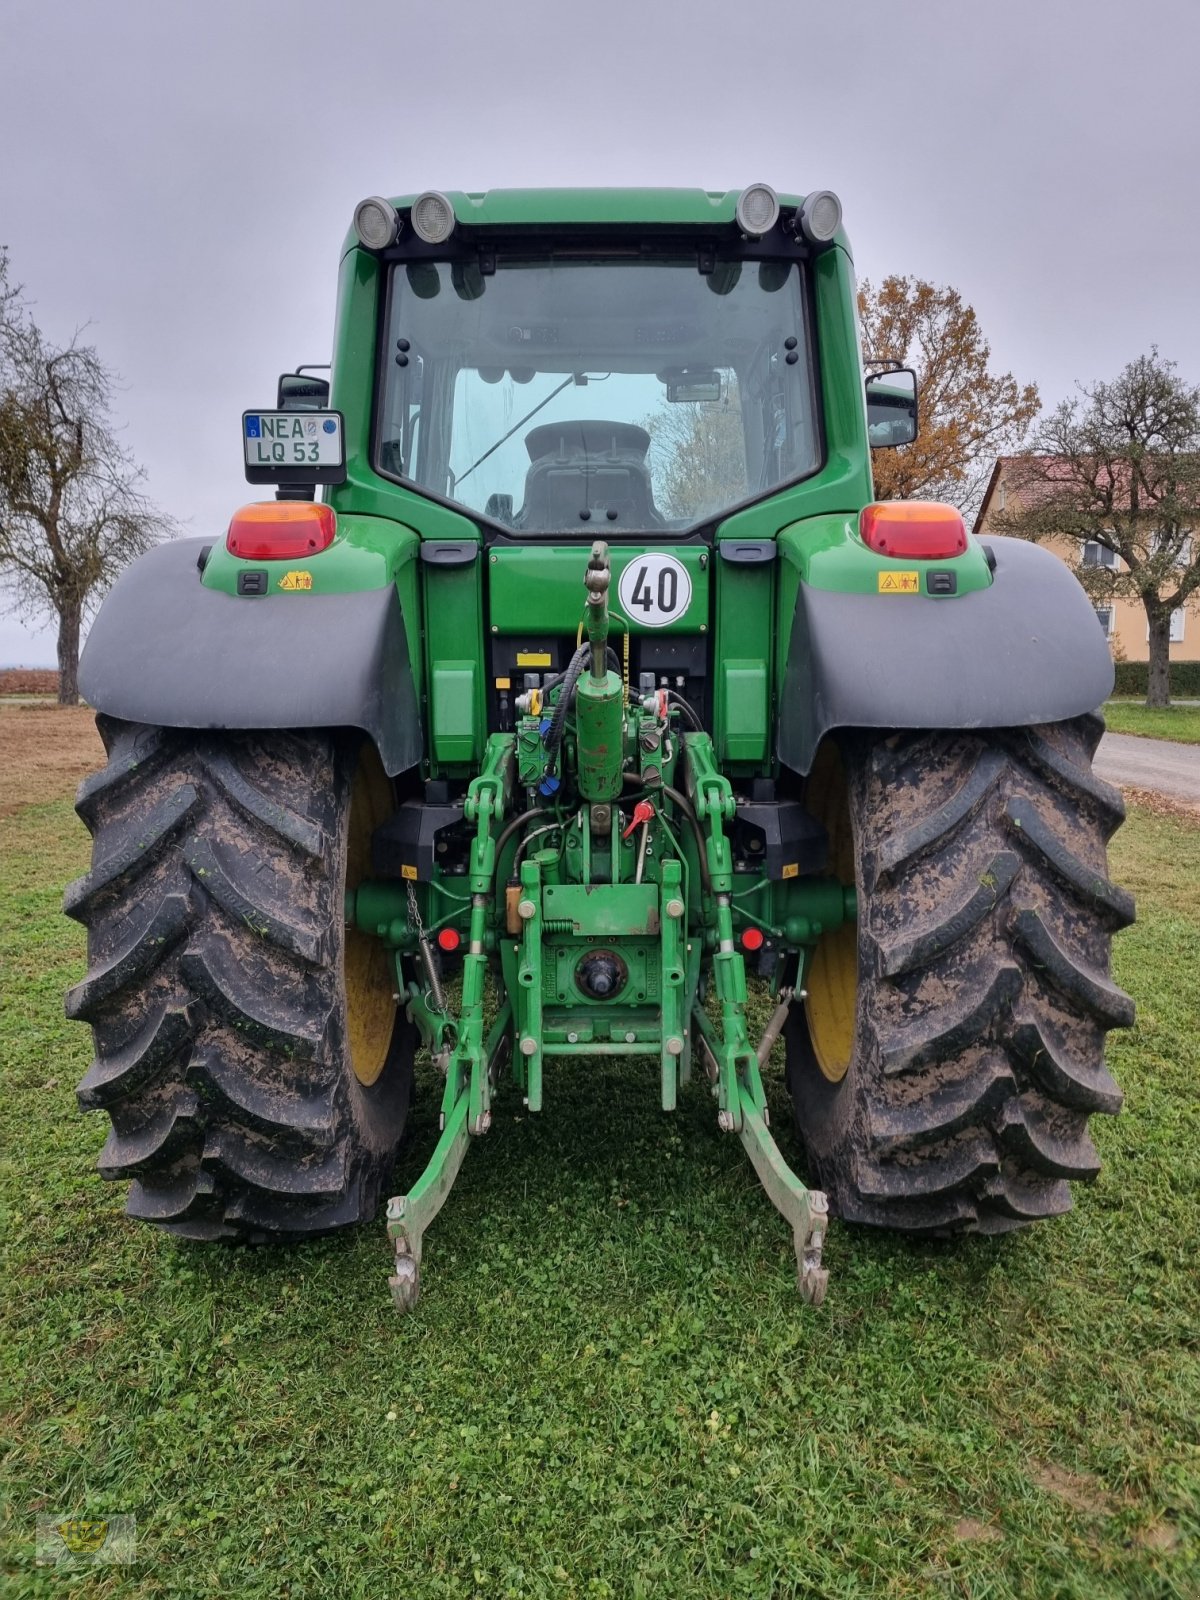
[528, 417]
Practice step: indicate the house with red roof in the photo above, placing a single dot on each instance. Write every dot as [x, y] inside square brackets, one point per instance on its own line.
[1123, 618]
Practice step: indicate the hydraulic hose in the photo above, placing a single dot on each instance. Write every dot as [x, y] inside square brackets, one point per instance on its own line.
[614, 662]
[517, 822]
[558, 721]
[527, 840]
[685, 806]
[689, 711]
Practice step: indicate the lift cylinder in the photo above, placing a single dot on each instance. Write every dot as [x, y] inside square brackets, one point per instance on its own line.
[599, 724]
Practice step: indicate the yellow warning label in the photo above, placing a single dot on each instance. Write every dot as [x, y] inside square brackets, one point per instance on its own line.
[296, 580]
[791, 869]
[899, 583]
[407, 872]
[533, 658]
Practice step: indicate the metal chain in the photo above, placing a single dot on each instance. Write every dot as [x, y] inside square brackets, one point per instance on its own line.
[428, 959]
[414, 912]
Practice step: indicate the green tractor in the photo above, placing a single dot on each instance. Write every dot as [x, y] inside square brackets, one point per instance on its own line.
[596, 685]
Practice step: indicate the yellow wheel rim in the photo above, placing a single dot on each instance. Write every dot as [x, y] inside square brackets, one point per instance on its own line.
[832, 981]
[370, 1010]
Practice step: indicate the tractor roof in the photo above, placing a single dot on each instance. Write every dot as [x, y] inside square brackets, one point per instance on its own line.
[524, 208]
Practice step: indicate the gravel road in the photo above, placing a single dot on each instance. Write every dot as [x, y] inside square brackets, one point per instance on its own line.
[1158, 764]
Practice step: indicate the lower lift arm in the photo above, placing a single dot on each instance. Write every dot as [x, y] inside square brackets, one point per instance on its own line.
[734, 1061]
[472, 1060]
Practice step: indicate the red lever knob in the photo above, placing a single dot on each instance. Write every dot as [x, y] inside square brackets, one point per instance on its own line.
[642, 812]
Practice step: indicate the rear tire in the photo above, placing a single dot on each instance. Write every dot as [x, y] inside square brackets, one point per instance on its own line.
[959, 1099]
[249, 1096]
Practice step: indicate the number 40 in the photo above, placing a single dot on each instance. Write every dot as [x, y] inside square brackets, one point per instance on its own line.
[668, 589]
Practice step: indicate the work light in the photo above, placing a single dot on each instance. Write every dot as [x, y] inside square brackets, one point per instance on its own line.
[376, 222]
[432, 217]
[820, 216]
[757, 210]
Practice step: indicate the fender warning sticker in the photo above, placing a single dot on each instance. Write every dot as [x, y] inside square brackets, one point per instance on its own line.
[303, 580]
[899, 583]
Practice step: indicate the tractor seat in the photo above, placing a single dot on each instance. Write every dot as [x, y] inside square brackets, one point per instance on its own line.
[598, 467]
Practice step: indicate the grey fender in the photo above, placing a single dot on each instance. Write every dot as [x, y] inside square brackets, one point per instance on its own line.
[1026, 650]
[166, 650]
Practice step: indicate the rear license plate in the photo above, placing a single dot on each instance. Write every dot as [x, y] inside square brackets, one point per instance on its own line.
[293, 439]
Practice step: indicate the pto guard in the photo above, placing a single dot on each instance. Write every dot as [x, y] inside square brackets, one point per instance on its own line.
[166, 650]
[1025, 650]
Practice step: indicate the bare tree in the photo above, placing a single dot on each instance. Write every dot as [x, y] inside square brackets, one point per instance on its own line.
[1119, 468]
[969, 414]
[699, 448]
[72, 512]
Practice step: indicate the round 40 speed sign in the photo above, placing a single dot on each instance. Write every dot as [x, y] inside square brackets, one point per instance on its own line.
[655, 590]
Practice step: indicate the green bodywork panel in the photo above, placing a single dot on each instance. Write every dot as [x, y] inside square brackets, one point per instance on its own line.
[367, 553]
[453, 607]
[743, 685]
[454, 707]
[827, 553]
[535, 588]
[744, 698]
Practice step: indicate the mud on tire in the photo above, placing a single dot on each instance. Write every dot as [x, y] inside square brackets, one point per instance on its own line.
[983, 999]
[216, 985]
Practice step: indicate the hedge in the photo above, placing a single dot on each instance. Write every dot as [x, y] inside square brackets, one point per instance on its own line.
[1133, 677]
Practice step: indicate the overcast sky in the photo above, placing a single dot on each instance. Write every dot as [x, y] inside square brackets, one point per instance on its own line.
[180, 177]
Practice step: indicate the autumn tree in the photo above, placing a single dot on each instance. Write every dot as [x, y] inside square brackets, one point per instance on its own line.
[1118, 467]
[969, 415]
[72, 512]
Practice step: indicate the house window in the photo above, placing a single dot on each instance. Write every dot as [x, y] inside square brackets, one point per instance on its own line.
[1105, 617]
[1183, 556]
[1176, 635]
[1096, 554]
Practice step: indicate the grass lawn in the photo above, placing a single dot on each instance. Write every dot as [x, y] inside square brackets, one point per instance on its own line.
[610, 1387]
[1169, 722]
